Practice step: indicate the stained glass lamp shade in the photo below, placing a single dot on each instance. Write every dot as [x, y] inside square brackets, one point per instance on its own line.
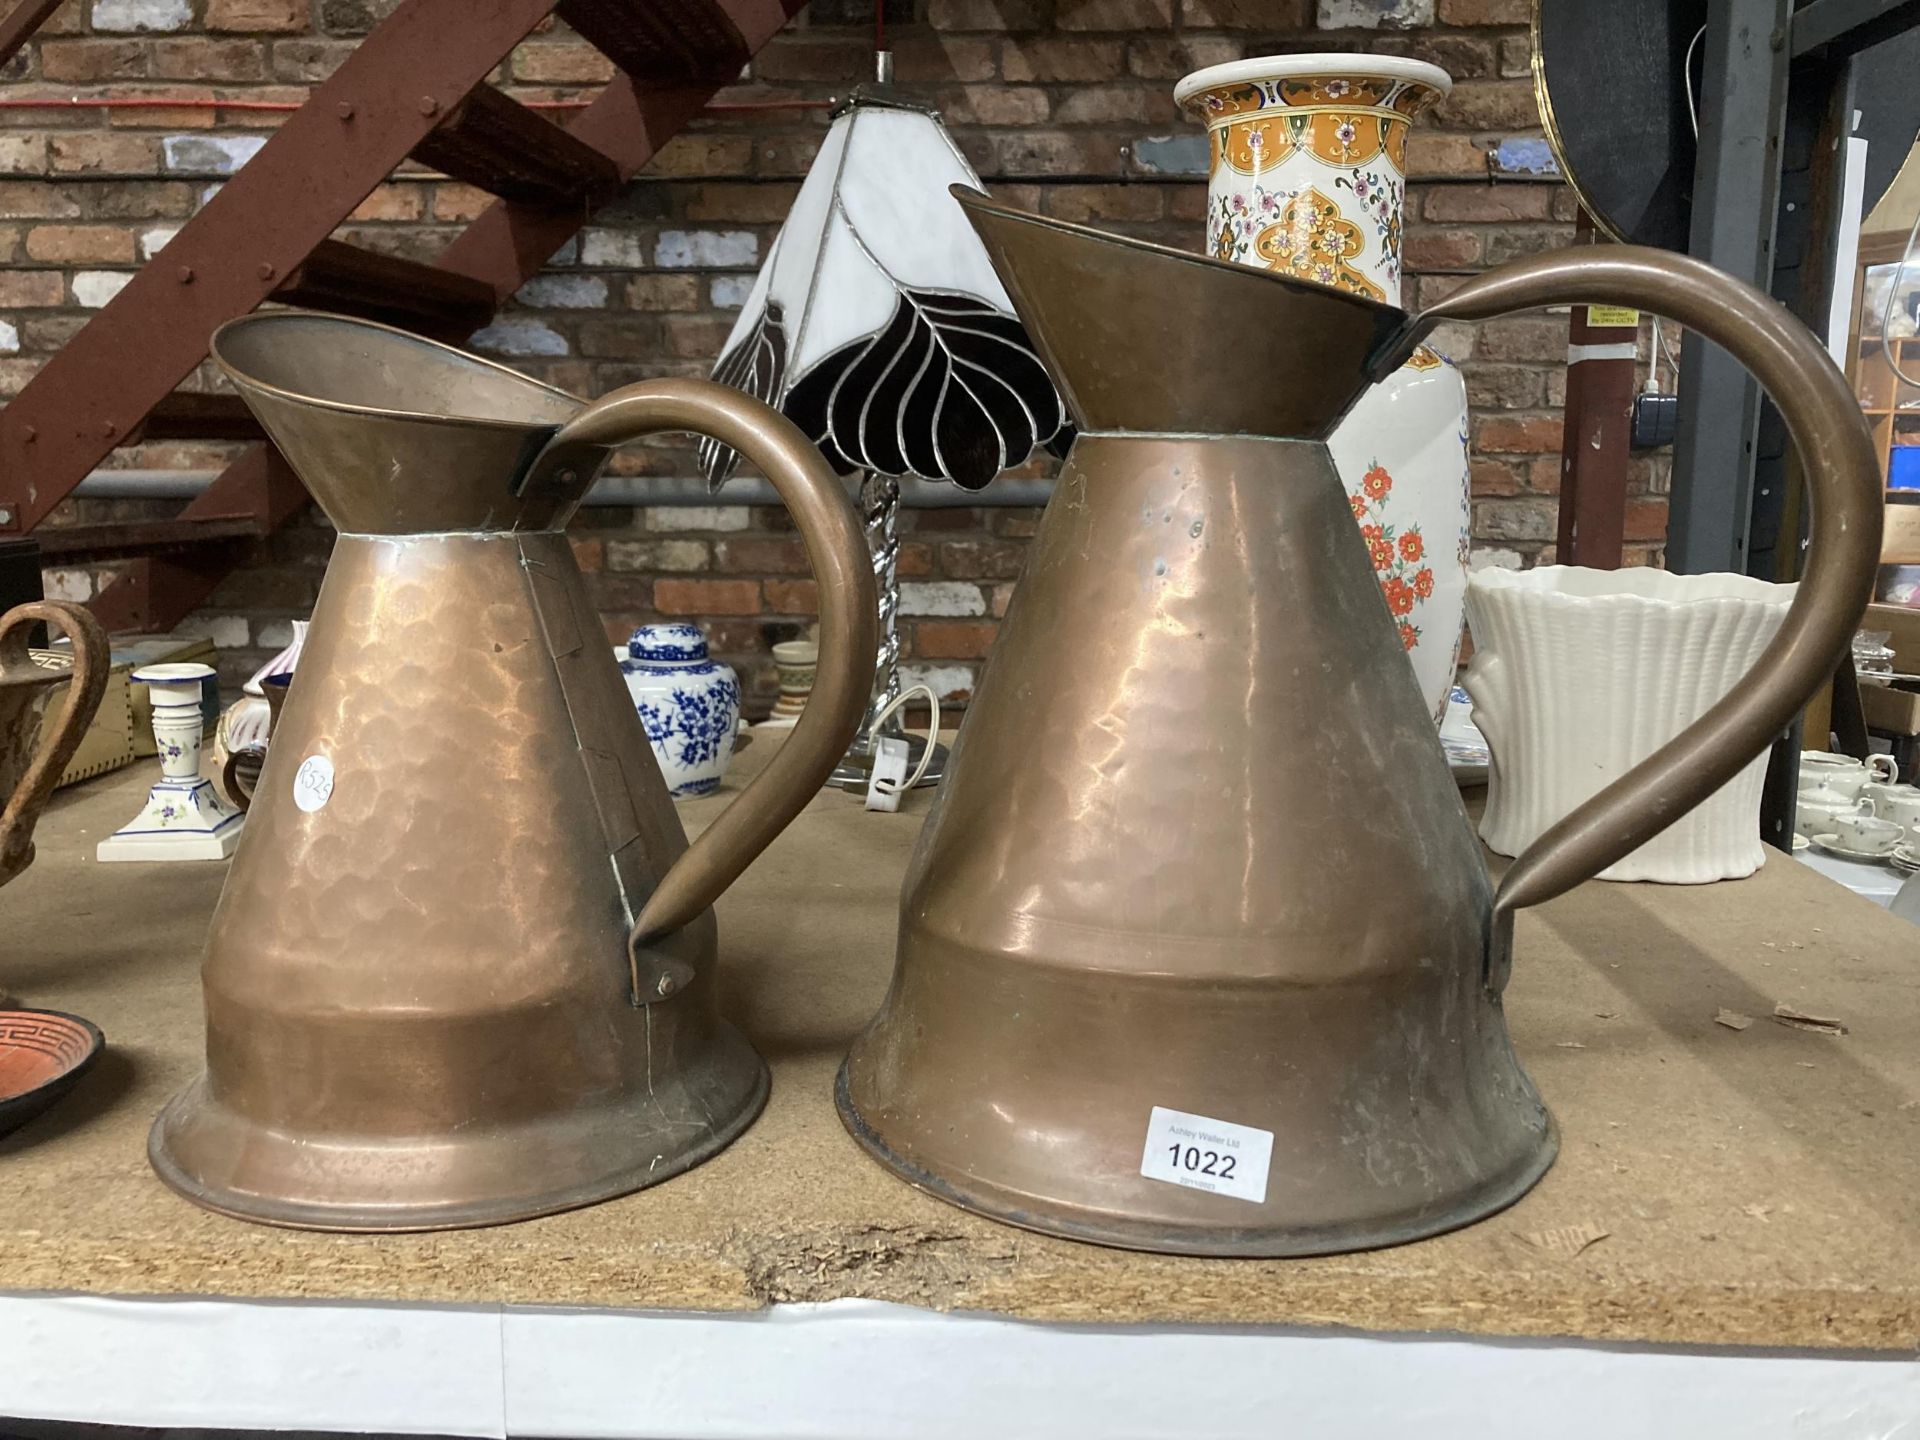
[879, 326]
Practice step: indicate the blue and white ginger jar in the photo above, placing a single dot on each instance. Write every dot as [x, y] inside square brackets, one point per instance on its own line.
[689, 704]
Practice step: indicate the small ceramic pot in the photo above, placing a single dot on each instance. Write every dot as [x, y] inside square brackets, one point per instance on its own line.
[248, 720]
[240, 771]
[795, 662]
[1578, 675]
[689, 704]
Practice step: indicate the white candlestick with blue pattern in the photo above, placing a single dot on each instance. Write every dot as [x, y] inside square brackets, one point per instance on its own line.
[185, 817]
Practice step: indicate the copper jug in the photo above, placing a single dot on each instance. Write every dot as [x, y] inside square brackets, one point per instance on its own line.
[1196, 951]
[32, 758]
[462, 968]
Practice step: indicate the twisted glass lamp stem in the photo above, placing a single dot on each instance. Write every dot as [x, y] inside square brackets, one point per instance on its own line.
[880, 512]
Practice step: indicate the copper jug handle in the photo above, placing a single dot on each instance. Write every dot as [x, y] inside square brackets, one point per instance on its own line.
[849, 617]
[91, 661]
[1836, 452]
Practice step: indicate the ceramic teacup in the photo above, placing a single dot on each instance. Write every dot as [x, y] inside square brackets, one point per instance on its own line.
[1842, 774]
[1898, 803]
[1865, 833]
[795, 662]
[1816, 810]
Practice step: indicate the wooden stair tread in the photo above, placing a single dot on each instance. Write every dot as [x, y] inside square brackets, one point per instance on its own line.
[497, 144]
[116, 539]
[661, 40]
[352, 281]
[198, 415]
[415, 87]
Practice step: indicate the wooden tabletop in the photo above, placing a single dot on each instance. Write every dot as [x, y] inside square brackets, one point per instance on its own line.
[1756, 1186]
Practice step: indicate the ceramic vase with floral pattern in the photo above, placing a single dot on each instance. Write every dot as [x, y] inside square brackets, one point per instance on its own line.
[690, 705]
[1307, 177]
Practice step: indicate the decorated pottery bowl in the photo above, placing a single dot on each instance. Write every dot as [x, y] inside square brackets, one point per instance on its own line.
[43, 1054]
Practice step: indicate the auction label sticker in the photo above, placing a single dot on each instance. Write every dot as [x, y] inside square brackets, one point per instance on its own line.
[1205, 1154]
[313, 783]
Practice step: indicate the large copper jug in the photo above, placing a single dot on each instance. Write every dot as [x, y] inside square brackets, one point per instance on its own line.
[1199, 883]
[462, 969]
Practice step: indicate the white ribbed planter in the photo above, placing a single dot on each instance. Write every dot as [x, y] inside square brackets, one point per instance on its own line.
[1578, 675]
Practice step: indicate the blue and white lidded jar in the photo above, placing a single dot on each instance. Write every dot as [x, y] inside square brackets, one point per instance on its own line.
[689, 704]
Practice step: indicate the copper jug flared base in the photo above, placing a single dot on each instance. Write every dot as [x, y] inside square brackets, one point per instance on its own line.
[1045, 1215]
[219, 1159]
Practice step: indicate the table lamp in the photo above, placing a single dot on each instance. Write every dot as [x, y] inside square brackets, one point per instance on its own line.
[878, 325]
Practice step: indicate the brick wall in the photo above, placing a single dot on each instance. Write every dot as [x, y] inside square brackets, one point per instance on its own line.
[1063, 105]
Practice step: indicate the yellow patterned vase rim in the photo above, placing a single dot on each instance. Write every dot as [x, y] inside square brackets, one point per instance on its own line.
[1302, 82]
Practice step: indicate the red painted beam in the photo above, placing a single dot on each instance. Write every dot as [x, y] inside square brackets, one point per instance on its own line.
[506, 245]
[20, 23]
[327, 157]
[157, 592]
[1597, 432]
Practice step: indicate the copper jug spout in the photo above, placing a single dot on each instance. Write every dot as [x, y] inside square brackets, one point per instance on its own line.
[1197, 952]
[1144, 346]
[462, 970]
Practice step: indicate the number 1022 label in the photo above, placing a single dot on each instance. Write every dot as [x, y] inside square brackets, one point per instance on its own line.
[1206, 1154]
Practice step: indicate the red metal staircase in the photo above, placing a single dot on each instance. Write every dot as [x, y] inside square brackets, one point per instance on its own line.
[414, 88]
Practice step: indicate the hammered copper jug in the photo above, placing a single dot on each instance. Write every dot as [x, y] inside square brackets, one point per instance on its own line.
[462, 968]
[1199, 897]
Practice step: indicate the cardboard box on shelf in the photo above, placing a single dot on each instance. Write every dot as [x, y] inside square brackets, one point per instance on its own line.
[1900, 538]
[1886, 709]
[1902, 625]
[108, 743]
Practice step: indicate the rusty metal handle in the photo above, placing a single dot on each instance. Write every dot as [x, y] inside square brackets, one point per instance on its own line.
[849, 617]
[91, 662]
[1836, 452]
